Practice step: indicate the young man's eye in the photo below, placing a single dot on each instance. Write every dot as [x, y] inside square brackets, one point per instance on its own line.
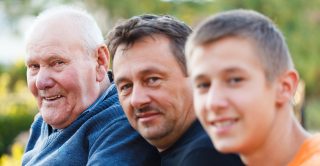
[202, 85]
[235, 80]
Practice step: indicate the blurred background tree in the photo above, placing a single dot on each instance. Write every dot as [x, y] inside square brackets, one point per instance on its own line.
[299, 21]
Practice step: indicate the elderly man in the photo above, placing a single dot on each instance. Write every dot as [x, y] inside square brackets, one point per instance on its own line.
[155, 92]
[81, 121]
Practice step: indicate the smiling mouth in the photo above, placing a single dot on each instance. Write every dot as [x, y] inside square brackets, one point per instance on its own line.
[223, 123]
[52, 98]
[146, 114]
[147, 117]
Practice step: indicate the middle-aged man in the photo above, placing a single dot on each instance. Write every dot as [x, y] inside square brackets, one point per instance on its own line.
[155, 92]
[81, 121]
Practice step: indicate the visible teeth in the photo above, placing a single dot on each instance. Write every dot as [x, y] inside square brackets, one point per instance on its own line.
[53, 97]
[224, 123]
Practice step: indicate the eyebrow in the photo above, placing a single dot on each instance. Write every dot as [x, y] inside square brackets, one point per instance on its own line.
[224, 71]
[232, 69]
[27, 62]
[150, 70]
[50, 58]
[54, 57]
[146, 71]
[199, 77]
[121, 79]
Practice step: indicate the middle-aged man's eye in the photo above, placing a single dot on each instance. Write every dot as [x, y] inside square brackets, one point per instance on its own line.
[125, 89]
[153, 81]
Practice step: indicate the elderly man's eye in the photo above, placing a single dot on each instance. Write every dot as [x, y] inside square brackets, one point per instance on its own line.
[33, 66]
[58, 63]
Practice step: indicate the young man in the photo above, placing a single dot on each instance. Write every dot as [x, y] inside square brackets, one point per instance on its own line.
[243, 84]
[80, 121]
[155, 91]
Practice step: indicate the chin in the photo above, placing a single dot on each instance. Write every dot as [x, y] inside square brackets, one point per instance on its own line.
[226, 147]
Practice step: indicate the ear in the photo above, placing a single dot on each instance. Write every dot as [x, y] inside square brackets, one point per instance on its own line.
[287, 85]
[102, 55]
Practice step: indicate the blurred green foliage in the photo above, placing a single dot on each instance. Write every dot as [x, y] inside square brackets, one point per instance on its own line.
[299, 20]
[313, 115]
[15, 158]
[18, 106]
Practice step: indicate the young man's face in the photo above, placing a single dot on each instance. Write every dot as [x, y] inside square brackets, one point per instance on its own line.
[154, 92]
[233, 100]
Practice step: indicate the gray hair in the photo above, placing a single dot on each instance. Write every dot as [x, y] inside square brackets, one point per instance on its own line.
[272, 50]
[79, 19]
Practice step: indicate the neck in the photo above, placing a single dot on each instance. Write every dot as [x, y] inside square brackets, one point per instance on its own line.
[163, 144]
[282, 143]
[104, 85]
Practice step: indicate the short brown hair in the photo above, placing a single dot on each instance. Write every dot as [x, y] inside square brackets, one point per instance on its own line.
[269, 41]
[137, 27]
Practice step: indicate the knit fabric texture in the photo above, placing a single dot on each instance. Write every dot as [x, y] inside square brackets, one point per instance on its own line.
[101, 135]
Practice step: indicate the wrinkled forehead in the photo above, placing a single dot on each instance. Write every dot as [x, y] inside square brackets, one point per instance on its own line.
[53, 33]
[53, 28]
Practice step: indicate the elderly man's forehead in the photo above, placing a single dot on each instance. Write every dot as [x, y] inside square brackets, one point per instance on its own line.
[54, 34]
[56, 25]
[54, 28]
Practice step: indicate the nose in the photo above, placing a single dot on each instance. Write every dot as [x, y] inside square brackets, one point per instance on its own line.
[139, 97]
[216, 99]
[44, 79]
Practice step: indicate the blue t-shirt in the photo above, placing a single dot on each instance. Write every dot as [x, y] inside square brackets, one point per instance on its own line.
[195, 148]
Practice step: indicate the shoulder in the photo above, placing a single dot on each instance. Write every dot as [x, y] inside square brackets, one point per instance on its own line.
[202, 152]
[37, 128]
[107, 110]
[119, 144]
[309, 153]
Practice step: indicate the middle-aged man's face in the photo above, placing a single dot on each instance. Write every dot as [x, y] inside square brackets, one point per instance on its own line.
[233, 100]
[60, 73]
[153, 90]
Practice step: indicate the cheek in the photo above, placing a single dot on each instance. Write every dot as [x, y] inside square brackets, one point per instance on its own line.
[72, 85]
[73, 79]
[32, 85]
[248, 99]
[199, 106]
[125, 104]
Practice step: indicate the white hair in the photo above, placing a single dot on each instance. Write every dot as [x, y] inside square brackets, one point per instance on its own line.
[78, 18]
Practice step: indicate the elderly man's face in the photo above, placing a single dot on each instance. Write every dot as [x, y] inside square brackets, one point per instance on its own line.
[60, 73]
